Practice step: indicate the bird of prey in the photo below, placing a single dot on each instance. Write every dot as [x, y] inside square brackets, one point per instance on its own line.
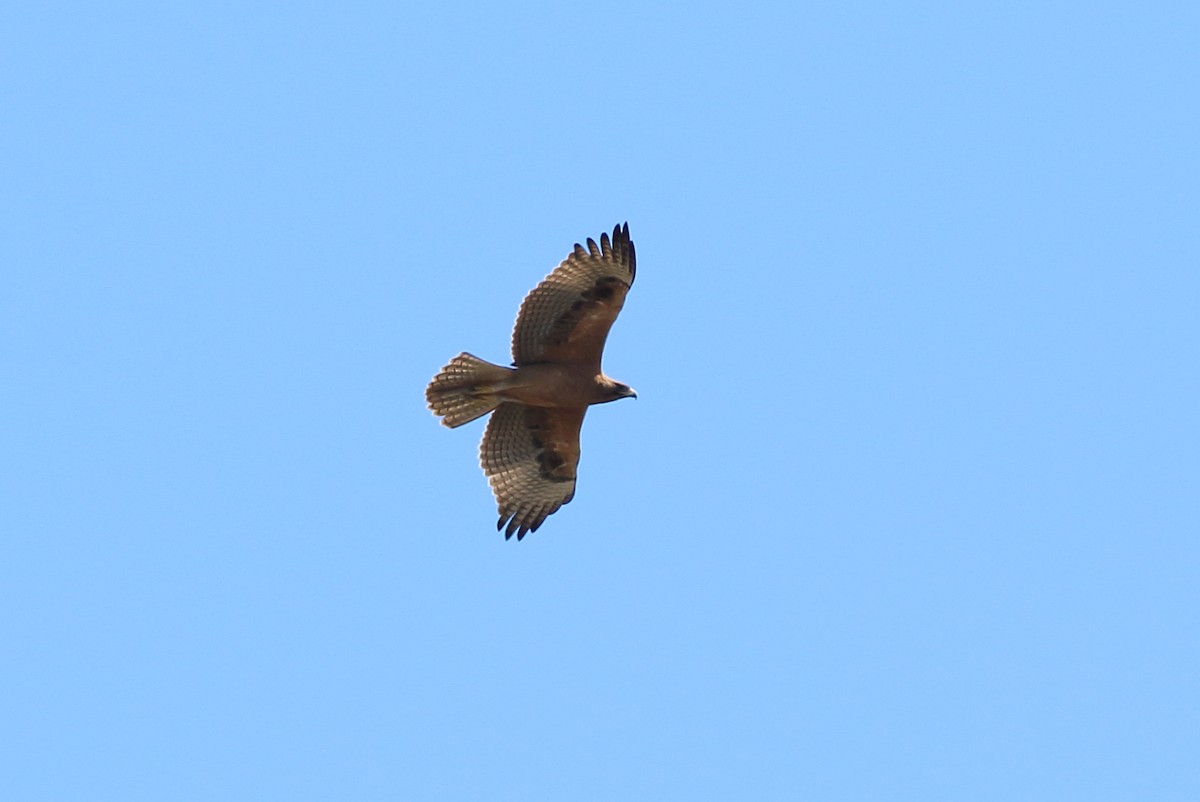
[530, 449]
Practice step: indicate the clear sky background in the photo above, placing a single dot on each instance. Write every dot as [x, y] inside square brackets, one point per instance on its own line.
[907, 507]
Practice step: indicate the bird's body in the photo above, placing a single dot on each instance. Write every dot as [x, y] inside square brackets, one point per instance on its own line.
[549, 384]
[530, 449]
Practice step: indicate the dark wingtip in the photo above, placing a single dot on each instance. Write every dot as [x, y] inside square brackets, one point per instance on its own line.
[622, 230]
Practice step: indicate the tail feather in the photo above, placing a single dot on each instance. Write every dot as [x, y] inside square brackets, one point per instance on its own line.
[465, 390]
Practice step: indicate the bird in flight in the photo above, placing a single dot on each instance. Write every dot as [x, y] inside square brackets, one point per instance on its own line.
[530, 449]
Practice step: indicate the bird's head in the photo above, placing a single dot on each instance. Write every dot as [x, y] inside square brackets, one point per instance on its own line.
[612, 390]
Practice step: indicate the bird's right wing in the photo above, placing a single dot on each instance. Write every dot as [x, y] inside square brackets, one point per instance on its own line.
[566, 318]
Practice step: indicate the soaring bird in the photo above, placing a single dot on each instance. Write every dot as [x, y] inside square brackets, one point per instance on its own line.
[530, 449]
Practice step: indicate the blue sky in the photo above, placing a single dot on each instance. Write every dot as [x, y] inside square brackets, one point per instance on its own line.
[907, 507]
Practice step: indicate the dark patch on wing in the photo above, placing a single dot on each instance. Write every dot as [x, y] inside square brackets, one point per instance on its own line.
[590, 301]
[550, 458]
[549, 462]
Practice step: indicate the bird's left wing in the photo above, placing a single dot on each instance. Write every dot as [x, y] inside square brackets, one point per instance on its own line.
[530, 455]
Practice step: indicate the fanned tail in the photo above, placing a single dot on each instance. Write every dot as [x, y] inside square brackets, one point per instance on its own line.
[465, 389]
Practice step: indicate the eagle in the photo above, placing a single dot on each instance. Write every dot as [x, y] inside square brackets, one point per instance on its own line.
[530, 448]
